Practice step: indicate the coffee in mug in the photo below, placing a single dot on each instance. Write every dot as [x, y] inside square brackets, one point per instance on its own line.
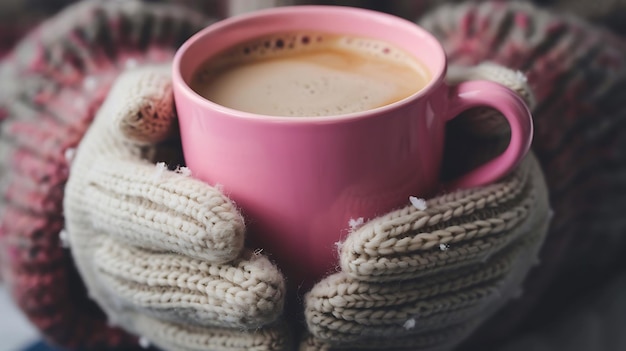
[304, 74]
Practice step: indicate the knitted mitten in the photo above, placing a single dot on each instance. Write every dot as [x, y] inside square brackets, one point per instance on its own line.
[161, 252]
[426, 276]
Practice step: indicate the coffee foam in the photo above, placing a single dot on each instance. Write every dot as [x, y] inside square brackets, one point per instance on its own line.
[303, 74]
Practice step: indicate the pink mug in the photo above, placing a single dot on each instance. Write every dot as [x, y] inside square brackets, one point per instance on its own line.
[300, 181]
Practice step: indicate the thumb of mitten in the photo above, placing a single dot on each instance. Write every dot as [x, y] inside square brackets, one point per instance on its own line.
[152, 116]
[482, 121]
[140, 107]
[115, 188]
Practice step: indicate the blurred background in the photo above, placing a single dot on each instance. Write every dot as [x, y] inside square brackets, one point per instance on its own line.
[17, 17]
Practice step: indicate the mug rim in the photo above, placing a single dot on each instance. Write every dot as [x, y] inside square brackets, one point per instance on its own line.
[182, 86]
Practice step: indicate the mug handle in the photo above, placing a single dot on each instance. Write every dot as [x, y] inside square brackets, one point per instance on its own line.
[474, 93]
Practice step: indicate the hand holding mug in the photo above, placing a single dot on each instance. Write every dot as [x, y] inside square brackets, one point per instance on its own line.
[137, 264]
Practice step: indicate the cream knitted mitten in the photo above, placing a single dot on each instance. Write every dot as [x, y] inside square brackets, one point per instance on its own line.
[425, 276]
[161, 252]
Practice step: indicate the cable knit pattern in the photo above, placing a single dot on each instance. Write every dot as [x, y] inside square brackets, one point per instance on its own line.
[173, 337]
[400, 245]
[147, 239]
[437, 307]
[240, 295]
